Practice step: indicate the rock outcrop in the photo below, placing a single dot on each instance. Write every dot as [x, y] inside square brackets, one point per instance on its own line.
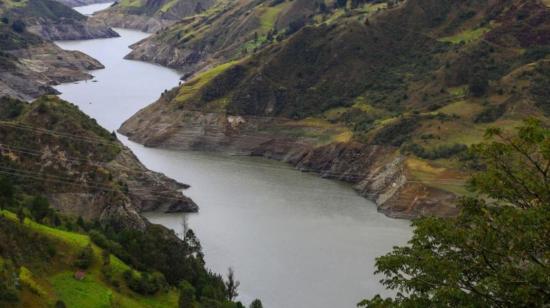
[74, 3]
[31, 71]
[53, 21]
[80, 167]
[151, 16]
[67, 30]
[377, 172]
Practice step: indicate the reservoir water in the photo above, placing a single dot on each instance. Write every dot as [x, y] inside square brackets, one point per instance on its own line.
[293, 239]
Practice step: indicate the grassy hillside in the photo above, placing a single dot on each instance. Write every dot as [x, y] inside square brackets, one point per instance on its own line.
[43, 258]
[425, 77]
[164, 9]
[226, 31]
[51, 20]
[48, 9]
[70, 198]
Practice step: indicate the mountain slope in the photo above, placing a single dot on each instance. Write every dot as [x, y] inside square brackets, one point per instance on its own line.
[230, 29]
[151, 16]
[387, 98]
[30, 65]
[71, 233]
[52, 20]
[82, 169]
[74, 3]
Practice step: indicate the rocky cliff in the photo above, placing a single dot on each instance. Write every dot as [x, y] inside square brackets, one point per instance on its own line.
[230, 29]
[151, 16]
[74, 3]
[31, 65]
[52, 20]
[51, 148]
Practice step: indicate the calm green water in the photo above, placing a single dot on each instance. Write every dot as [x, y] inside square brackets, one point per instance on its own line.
[294, 239]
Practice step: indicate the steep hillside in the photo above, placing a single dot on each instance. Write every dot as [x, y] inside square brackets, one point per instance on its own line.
[37, 267]
[51, 148]
[151, 15]
[29, 65]
[52, 20]
[386, 96]
[63, 262]
[229, 30]
[71, 233]
[74, 3]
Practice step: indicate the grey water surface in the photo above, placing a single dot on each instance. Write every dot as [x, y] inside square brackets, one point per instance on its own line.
[293, 239]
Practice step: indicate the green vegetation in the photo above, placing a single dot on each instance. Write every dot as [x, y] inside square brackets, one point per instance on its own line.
[268, 16]
[83, 263]
[495, 253]
[130, 3]
[427, 97]
[466, 36]
[192, 87]
[168, 5]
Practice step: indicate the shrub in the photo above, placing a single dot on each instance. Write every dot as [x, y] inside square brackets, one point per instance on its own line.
[85, 257]
[18, 26]
[187, 295]
[442, 151]
[145, 283]
[490, 114]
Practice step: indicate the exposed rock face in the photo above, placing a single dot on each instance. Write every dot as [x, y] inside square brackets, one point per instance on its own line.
[149, 190]
[52, 20]
[143, 23]
[31, 71]
[74, 3]
[72, 30]
[377, 172]
[81, 168]
[199, 41]
[151, 16]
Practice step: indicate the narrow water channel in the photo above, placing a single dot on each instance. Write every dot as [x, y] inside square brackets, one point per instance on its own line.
[294, 239]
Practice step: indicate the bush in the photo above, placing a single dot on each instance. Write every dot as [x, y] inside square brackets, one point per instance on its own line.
[256, 304]
[145, 283]
[39, 208]
[113, 247]
[442, 151]
[85, 257]
[187, 295]
[397, 133]
[18, 26]
[490, 114]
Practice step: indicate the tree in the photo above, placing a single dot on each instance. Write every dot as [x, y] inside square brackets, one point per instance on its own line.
[40, 208]
[323, 7]
[187, 295]
[194, 245]
[85, 257]
[6, 193]
[341, 3]
[18, 26]
[60, 304]
[492, 254]
[256, 304]
[479, 81]
[231, 285]
[20, 215]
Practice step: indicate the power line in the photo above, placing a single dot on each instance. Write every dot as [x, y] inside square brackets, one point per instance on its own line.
[325, 172]
[71, 181]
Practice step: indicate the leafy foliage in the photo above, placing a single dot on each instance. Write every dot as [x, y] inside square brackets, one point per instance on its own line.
[491, 254]
[85, 258]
